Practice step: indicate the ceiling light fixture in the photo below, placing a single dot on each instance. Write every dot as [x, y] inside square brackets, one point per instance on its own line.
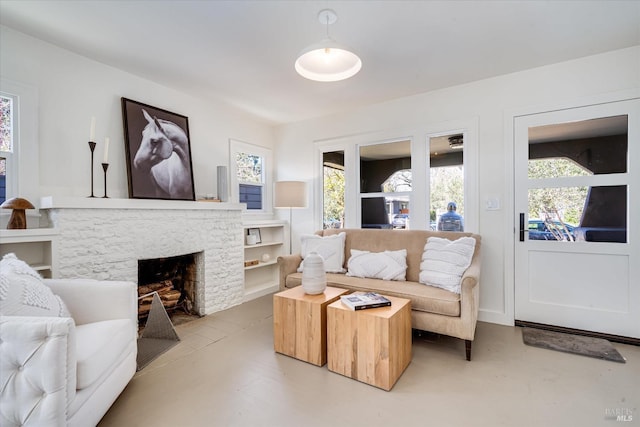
[327, 61]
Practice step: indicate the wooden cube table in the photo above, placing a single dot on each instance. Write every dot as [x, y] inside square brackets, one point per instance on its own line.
[371, 345]
[300, 323]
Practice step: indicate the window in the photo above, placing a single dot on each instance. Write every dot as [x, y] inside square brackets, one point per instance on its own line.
[249, 175]
[250, 179]
[446, 176]
[333, 186]
[7, 111]
[390, 179]
[385, 184]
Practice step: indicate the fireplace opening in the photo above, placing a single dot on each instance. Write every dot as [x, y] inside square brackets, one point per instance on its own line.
[176, 280]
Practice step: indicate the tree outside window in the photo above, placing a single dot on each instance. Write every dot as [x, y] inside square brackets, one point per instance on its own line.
[568, 202]
[250, 179]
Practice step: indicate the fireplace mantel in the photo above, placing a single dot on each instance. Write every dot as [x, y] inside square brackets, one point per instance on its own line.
[50, 202]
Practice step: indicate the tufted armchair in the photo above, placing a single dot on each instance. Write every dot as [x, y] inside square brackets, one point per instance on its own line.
[57, 371]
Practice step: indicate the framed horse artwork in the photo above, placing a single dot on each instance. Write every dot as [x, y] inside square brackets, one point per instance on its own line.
[158, 153]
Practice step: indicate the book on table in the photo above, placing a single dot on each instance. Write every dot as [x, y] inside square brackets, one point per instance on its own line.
[364, 300]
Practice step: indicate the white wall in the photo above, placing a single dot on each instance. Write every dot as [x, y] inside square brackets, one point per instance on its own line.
[493, 102]
[72, 88]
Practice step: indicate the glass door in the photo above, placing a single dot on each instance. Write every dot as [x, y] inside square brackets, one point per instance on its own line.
[575, 257]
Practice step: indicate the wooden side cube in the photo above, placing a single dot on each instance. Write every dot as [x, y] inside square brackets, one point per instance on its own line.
[371, 345]
[299, 323]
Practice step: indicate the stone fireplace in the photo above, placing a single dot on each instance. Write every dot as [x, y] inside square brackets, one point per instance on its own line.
[104, 239]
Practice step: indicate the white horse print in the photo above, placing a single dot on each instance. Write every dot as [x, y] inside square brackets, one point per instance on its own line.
[164, 157]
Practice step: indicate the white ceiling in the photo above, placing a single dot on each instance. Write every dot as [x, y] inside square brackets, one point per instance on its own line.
[242, 52]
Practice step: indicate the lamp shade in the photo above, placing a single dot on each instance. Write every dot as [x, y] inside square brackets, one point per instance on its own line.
[327, 61]
[290, 194]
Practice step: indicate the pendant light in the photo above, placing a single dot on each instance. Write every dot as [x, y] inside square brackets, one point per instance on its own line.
[327, 61]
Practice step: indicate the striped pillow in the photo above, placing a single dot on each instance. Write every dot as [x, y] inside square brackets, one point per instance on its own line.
[445, 261]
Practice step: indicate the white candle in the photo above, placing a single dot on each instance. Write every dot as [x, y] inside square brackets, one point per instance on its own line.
[106, 150]
[92, 130]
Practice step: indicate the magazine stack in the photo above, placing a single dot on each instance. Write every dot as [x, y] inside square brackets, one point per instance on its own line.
[361, 301]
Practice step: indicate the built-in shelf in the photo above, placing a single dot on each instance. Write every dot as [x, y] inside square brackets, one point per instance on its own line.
[262, 278]
[261, 265]
[261, 245]
[35, 246]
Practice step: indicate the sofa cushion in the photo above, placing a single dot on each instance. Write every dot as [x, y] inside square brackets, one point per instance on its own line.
[445, 261]
[423, 298]
[99, 346]
[330, 248]
[23, 293]
[387, 265]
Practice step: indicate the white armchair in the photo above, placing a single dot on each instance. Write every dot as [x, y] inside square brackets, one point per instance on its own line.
[57, 371]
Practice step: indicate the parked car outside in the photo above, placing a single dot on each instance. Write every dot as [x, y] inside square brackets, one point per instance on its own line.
[400, 221]
[538, 230]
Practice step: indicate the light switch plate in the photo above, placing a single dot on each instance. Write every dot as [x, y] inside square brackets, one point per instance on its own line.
[492, 203]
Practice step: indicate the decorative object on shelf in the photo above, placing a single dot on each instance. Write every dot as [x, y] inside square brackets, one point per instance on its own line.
[105, 166]
[251, 239]
[18, 219]
[327, 61]
[255, 232]
[290, 194]
[266, 257]
[314, 278]
[223, 186]
[158, 153]
[251, 262]
[92, 147]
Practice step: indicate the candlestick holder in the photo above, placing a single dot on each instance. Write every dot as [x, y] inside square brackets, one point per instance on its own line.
[105, 166]
[92, 147]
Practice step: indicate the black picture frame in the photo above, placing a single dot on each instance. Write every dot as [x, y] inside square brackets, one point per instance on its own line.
[158, 150]
[255, 232]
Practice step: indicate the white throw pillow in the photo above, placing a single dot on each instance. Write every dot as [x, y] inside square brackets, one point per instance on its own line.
[23, 293]
[387, 265]
[330, 248]
[445, 261]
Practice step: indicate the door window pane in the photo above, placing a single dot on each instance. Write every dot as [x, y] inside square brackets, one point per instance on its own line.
[587, 148]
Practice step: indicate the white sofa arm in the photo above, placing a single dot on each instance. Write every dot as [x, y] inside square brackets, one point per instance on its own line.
[91, 301]
[37, 370]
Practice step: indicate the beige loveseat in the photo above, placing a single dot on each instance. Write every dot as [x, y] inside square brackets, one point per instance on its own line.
[432, 309]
